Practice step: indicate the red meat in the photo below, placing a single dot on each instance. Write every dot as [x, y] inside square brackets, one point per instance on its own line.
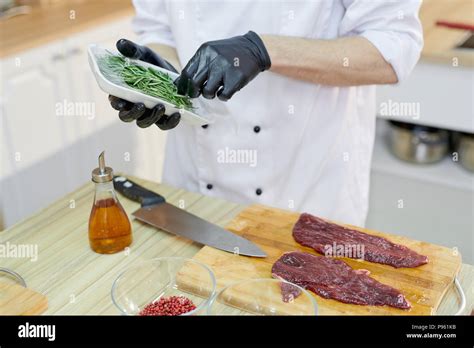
[324, 236]
[334, 279]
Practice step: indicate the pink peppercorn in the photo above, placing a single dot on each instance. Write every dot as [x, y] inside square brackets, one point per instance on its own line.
[173, 305]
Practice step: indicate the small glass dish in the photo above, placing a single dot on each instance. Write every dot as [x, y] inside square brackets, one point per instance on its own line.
[148, 282]
[11, 277]
[262, 297]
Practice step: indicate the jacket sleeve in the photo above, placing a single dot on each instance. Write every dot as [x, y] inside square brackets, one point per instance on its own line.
[393, 27]
[151, 22]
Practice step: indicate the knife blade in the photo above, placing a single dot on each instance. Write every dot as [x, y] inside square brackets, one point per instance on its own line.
[159, 213]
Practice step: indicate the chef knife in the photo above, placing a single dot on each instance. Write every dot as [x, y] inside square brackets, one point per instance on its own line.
[157, 212]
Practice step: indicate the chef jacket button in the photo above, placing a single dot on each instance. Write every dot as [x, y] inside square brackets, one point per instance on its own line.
[256, 129]
[205, 126]
[209, 186]
[258, 192]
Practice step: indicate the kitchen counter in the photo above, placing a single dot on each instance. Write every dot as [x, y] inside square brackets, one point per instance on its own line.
[441, 42]
[78, 281]
[56, 21]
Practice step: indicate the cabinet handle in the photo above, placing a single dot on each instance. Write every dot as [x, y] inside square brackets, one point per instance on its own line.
[74, 51]
[58, 56]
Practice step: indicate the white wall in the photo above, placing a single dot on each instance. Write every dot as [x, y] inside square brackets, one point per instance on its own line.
[45, 153]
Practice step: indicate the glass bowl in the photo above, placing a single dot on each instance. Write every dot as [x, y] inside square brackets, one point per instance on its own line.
[152, 280]
[11, 277]
[262, 297]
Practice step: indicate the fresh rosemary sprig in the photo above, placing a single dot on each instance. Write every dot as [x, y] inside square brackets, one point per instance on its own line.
[146, 80]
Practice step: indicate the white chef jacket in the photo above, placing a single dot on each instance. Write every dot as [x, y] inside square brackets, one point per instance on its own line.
[303, 146]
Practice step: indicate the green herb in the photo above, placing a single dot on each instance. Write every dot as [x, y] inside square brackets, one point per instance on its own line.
[146, 80]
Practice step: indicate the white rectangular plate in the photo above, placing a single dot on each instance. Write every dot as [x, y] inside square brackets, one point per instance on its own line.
[194, 117]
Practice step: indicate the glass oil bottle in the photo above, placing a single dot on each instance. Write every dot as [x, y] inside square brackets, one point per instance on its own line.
[109, 227]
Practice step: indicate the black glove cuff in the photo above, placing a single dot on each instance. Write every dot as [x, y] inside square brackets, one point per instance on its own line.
[264, 58]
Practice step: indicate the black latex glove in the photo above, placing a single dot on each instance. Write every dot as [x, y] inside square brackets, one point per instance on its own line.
[223, 67]
[128, 111]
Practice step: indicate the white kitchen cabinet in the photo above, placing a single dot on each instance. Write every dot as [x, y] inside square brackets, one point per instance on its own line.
[431, 202]
[49, 141]
[423, 211]
[31, 85]
[442, 92]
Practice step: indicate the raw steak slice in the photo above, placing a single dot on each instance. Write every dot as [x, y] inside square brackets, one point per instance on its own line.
[289, 292]
[326, 237]
[335, 279]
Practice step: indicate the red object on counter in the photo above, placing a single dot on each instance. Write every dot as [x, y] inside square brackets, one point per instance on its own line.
[455, 25]
[169, 306]
[325, 237]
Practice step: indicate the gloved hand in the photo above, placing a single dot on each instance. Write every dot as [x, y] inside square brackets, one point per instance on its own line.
[128, 111]
[224, 67]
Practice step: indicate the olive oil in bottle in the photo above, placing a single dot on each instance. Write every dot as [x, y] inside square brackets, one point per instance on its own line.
[109, 227]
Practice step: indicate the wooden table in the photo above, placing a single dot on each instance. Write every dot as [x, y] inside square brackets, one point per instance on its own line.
[78, 281]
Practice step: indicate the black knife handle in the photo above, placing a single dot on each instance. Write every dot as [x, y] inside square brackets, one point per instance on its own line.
[136, 192]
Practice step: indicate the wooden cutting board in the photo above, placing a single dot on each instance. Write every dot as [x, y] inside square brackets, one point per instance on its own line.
[17, 300]
[271, 229]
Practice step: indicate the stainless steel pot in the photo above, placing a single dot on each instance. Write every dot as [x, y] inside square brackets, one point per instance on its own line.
[417, 144]
[465, 149]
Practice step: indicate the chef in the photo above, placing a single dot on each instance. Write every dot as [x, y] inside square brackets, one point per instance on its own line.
[296, 81]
